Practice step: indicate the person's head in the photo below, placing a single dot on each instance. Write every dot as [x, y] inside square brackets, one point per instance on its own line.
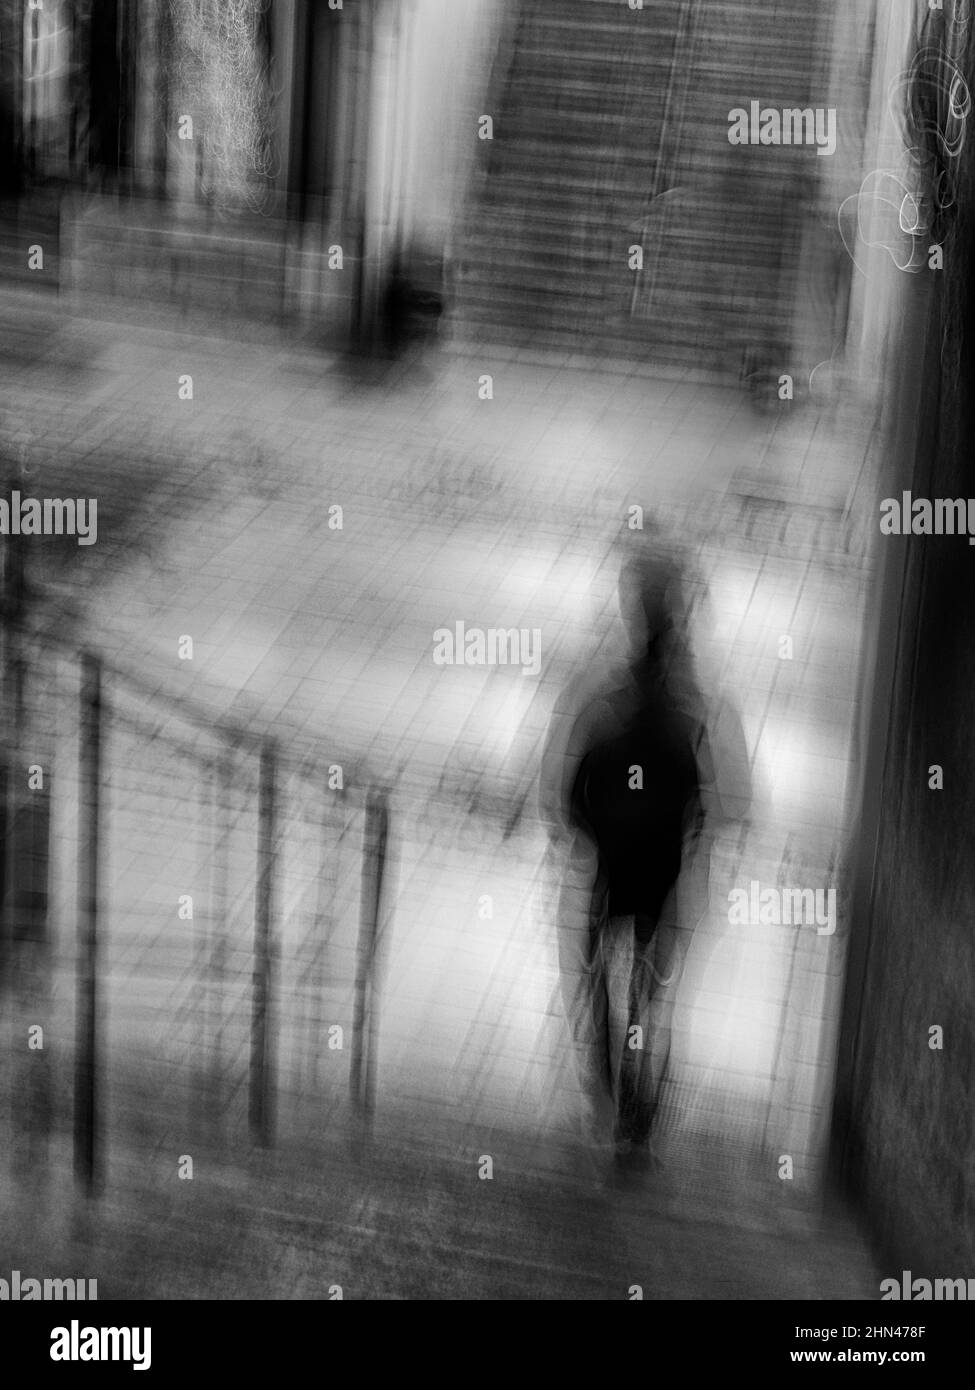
[648, 598]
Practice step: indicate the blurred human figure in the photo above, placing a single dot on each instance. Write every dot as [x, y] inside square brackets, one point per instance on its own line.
[626, 782]
[413, 302]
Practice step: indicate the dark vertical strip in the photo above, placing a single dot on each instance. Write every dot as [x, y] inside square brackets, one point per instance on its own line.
[886, 655]
[302, 78]
[332, 167]
[12, 689]
[105, 89]
[165, 57]
[361, 329]
[129, 79]
[87, 1148]
[215, 966]
[261, 1097]
[75, 66]
[122, 115]
[375, 972]
[365, 1010]
[11, 102]
[26, 846]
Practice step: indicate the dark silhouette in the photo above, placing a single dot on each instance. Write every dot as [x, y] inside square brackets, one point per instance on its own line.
[626, 773]
[413, 303]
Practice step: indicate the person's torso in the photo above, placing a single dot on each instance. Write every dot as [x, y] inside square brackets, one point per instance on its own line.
[636, 790]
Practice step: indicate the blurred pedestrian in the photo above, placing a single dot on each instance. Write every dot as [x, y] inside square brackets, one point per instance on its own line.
[625, 777]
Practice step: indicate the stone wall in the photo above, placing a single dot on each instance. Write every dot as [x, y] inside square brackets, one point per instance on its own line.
[905, 1117]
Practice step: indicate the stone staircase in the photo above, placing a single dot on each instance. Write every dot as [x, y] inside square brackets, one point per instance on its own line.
[610, 131]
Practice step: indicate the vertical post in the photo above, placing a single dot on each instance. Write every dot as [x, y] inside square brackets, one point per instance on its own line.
[214, 947]
[87, 1147]
[24, 851]
[365, 1020]
[12, 596]
[262, 1062]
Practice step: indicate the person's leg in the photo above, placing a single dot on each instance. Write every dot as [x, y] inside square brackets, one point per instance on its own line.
[581, 918]
[656, 972]
[617, 955]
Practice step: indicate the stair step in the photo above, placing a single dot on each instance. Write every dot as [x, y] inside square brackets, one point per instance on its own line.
[567, 186]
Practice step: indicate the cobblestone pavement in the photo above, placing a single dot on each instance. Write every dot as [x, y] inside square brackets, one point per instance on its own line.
[214, 522]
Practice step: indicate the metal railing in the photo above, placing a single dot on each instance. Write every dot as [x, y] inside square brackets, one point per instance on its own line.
[253, 767]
